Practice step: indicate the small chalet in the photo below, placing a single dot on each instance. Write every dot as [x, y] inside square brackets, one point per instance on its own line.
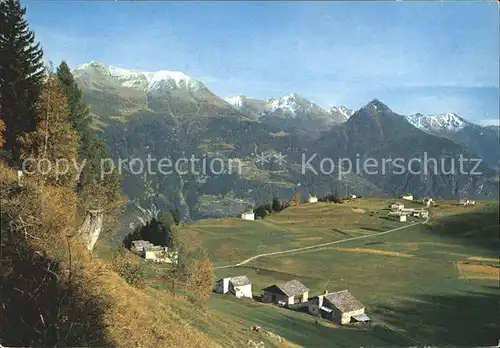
[408, 197]
[340, 307]
[239, 286]
[288, 293]
[248, 216]
[312, 199]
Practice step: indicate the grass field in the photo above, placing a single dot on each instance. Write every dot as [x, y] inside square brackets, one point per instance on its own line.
[434, 284]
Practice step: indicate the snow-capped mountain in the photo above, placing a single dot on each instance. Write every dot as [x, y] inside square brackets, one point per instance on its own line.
[482, 141]
[157, 81]
[292, 106]
[237, 101]
[289, 106]
[118, 92]
[342, 112]
[449, 122]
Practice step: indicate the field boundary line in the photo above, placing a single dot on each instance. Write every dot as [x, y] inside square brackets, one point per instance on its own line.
[289, 251]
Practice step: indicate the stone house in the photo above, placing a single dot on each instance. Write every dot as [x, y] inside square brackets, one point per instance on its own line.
[239, 286]
[154, 253]
[340, 307]
[288, 293]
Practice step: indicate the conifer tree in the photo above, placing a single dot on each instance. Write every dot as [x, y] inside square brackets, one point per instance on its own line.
[21, 75]
[78, 112]
[94, 191]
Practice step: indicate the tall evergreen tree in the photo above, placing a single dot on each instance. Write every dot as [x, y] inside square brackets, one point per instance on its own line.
[21, 75]
[95, 192]
[79, 112]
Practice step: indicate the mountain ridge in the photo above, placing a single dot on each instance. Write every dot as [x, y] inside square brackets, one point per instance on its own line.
[177, 120]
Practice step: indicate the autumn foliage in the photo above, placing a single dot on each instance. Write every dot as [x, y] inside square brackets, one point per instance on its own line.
[295, 201]
[2, 131]
[53, 141]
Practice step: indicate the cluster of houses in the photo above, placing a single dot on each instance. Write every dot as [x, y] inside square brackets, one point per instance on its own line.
[340, 307]
[310, 199]
[399, 211]
[154, 253]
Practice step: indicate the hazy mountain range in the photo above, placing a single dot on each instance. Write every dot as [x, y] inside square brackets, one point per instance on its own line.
[168, 113]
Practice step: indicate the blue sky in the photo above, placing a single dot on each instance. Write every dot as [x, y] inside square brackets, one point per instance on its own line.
[414, 56]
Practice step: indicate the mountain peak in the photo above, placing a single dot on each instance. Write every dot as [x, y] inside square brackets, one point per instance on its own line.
[448, 122]
[376, 104]
[162, 80]
[342, 112]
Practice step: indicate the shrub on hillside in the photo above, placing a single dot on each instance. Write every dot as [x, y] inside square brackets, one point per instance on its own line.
[133, 273]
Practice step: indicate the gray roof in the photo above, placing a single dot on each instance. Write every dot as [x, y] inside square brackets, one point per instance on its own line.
[344, 301]
[292, 288]
[240, 280]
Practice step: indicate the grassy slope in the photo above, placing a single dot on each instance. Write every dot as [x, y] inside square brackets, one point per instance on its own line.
[409, 280]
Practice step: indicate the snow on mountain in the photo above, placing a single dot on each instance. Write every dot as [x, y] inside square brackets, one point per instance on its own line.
[292, 104]
[449, 122]
[288, 103]
[342, 112]
[149, 81]
[236, 101]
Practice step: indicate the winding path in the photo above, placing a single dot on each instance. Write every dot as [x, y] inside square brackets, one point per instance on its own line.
[289, 251]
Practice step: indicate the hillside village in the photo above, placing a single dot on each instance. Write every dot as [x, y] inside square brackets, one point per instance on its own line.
[340, 307]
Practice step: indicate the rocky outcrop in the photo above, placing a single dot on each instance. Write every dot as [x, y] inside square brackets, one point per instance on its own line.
[91, 227]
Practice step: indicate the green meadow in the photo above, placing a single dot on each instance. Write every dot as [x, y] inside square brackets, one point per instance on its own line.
[427, 284]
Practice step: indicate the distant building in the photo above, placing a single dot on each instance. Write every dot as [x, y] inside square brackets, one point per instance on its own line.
[312, 199]
[248, 216]
[154, 253]
[418, 213]
[353, 197]
[467, 202]
[288, 293]
[408, 197]
[399, 215]
[239, 286]
[340, 307]
[397, 206]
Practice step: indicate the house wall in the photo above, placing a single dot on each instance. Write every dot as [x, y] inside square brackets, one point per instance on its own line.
[305, 296]
[313, 308]
[346, 317]
[222, 285]
[268, 297]
[242, 291]
[248, 216]
[160, 256]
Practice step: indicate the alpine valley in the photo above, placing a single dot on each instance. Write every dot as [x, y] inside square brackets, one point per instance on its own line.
[168, 114]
